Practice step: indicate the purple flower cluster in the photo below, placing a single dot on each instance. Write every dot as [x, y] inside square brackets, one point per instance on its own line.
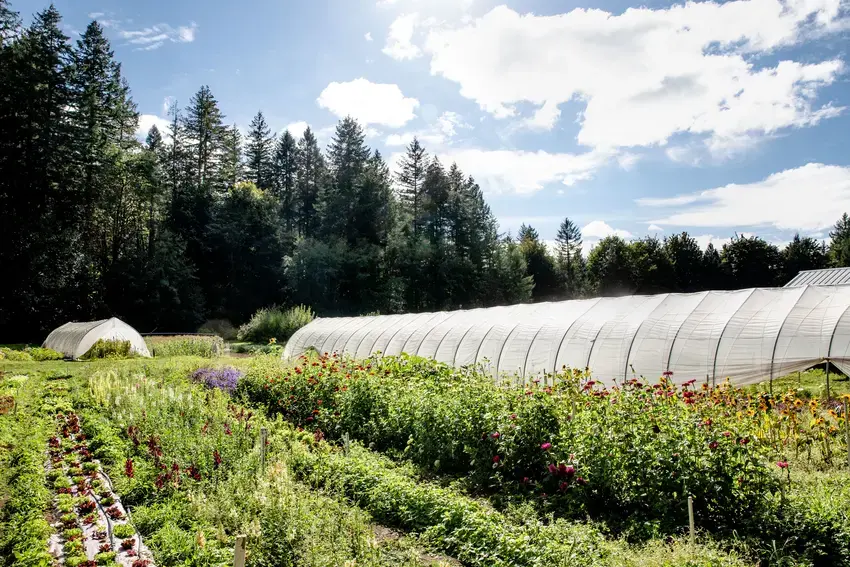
[224, 379]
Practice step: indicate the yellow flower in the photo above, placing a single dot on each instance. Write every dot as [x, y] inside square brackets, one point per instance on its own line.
[272, 341]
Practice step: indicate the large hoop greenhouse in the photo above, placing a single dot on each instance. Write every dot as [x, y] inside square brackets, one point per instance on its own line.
[747, 335]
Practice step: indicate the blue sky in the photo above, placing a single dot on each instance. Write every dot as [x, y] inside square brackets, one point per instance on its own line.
[713, 118]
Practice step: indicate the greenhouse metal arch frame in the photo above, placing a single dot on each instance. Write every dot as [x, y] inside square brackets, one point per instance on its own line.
[745, 335]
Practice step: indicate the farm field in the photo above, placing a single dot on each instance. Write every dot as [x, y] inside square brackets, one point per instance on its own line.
[402, 461]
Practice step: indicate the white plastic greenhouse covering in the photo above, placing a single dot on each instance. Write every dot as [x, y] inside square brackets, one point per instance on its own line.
[75, 339]
[747, 335]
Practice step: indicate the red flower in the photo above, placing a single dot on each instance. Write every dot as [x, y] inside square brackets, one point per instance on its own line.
[782, 464]
[495, 435]
[216, 459]
[552, 469]
[712, 445]
[727, 434]
[128, 468]
[496, 458]
[581, 480]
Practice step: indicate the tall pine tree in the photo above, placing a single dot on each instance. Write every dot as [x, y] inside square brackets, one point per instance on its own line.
[258, 153]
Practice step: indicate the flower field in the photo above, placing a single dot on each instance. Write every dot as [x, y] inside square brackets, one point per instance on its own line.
[402, 461]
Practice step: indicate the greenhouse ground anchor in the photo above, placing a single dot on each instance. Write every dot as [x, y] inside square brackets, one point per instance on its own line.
[239, 552]
[691, 518]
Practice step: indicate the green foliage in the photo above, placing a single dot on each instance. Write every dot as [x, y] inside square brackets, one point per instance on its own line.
[15, 355]
[123, 531]
[185, 345]
[40, 354]
[460, 422]
[275, 323]
[104, 348]
[23, 528]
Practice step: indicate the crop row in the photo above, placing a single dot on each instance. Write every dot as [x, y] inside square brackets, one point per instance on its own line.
[628, 456]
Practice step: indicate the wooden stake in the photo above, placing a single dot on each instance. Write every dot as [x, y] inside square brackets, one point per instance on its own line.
[264, 435]
[239, 552]
[691, 519]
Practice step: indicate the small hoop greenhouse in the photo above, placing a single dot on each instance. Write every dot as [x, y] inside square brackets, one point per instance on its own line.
[75, 339]
[746, 335]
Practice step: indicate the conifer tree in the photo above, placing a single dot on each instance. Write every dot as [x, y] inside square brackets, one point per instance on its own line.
[285, 180]
[411, 179]
[312, 173]
[231, 162]
[258, 153]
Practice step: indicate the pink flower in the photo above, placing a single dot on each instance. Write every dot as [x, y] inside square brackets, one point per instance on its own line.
[495, 435]
[712, 445]
[782, 464]
[727, 434]
[546, 446]
[552, 468]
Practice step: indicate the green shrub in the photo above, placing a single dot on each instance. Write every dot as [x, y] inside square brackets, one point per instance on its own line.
[15, 355]
[221, 327]
[40, 354]
[275, 323]
[186, 345]
[108, 349]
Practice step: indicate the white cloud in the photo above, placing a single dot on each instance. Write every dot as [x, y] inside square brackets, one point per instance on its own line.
[297, 129]
[705, 239]
[399, 43]
[645, 75]
[654, 228]
[807, 198]
[369, 103]
[600, 229]
[146, 121]
[368, 36]
[154, 37]
[435, 136]
[96, 15]
[513, 171]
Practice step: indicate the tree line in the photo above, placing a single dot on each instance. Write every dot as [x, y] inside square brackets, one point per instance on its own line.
[196, 222]
[675, 263]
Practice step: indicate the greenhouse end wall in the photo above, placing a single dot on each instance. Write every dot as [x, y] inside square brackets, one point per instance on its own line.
[746, 335]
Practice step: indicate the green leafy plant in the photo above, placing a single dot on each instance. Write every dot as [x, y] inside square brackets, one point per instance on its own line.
[275, 323]
[41, 354]
[108, 349]
[105, 557]
[123, 531]
[15, 355]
